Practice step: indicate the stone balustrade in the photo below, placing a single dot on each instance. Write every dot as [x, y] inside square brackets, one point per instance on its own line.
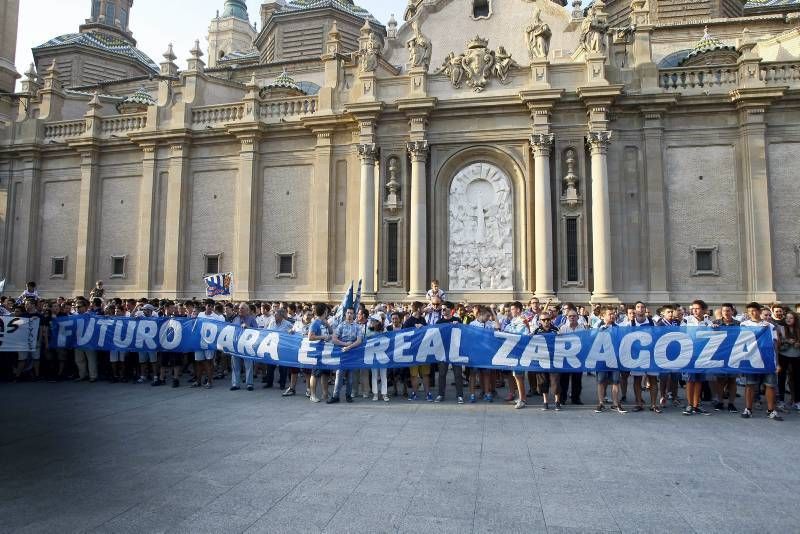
[123, 124]
[288, 108]
[780, 73]
[217, 115]
[64, 129]
[700, 78]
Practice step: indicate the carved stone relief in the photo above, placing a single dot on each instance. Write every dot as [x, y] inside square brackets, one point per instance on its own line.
[538, 35]
[419, 49]
[481, 229]
[477, 65]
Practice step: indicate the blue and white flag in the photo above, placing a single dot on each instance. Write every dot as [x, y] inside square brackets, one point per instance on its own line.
[347, 302]
[219, 285]
[2, 285]
[357, 299]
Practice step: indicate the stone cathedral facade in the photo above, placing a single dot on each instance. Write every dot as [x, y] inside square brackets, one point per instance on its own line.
[628, 149]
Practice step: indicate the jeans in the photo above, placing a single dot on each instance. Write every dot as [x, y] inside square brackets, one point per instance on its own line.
[341, 376]
[236, 371]
[84, 357]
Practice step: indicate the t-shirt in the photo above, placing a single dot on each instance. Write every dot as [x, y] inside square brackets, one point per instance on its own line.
[516, 325]
[546, 330]
[349, 332]
[438, 293]
[567, 329]
[284, 326]
[211, 316]
[319, 327]
[693, 321]
[751, 323]
[487, 325]
[451, 320]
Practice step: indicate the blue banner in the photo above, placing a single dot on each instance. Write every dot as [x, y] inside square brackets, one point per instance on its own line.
[651, 349]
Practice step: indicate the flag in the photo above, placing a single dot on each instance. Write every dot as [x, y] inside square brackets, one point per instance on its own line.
[347, 302]
[219, 285]
[357, 300]
[2, 285]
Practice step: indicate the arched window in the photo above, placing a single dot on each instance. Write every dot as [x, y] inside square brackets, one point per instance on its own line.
[481, 9]
[123, 17]
[111, 13]
[95, 9]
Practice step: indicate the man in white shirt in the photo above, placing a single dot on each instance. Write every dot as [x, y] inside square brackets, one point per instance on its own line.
[572, 325]
[754, 381]
[694, 381]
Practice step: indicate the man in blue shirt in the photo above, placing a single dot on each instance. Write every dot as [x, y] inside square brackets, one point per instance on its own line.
[348, 335]
[245, 320]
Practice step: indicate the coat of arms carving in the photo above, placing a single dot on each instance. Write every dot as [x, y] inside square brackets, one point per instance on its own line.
[477, 65]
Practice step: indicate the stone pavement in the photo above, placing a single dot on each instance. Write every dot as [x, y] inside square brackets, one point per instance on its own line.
[132, 458]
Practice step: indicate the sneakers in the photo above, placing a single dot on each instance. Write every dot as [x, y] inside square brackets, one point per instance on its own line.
[290, 392]
[796, 406]
[460, 400]
[520, 405]
[386, 398]
[472, 398]
[141, 380]
[429, 397]
[700, 411]
[732, 408]
[746, 414]
[638, 408]
[250, 387]
[375, 398]
[600, 408]
[235, 388]
[558, 406]
[332, 400]
[619, 409]
[718, 406]
[439, 398]
[413, 396]
[688, 411]
[774, 416]
[545, 406]
[488, 397]
[348, 399]
[655, 409]
[176, 383]
[314, 398]
[157, 382]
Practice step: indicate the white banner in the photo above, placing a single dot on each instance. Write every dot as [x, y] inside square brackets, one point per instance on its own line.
[18, 334]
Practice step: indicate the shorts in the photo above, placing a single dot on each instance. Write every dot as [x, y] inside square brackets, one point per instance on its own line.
[693, 378]
[116, 356]
[203, 355]
[609, 377]
[420, 370]
[769, 380]
[171, 359]
[637, 373]
[32, 355]
[151, 357]
[317, 373]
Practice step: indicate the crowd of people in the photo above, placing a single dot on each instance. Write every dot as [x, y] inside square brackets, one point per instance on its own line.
[703, 394]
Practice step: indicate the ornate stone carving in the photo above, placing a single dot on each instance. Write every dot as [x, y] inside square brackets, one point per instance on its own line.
[594, 28]
[477, 65]
[369, 51]
[571, 197]
[368, 153]
[419, 49]
[418, 150]
[542, 143]
[392, 184]
[481, 245]
[599, 141]
[538, 36]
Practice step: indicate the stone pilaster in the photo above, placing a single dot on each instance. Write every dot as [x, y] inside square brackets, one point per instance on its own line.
[321, 212]
[88, 207]
[247, 223]
[656, 215]
[542, 144]
[176, 220]
[145, 224]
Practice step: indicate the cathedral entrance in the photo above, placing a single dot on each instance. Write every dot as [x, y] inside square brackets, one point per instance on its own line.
[480, 237]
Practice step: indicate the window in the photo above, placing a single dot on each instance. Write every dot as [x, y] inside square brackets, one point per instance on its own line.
[118, 266]
[58, 267]
[285, 265]
[572, 249]
[213, 263]
[95, 9]
[481, 9]
[123, 17]
[705, 261]
[392, 271]
[111, 13]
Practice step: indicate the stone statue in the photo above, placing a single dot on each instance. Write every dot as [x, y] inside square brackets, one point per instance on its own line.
[369, 53]
[419, 49]
[480, 229]
[502, 64]
[538, 34]
[453, 68]
[593, 31]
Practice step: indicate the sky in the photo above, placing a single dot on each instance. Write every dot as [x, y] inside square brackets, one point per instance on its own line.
[155, 23]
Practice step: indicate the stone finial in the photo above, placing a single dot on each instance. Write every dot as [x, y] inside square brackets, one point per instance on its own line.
[31, 82]
[334, 44]
[30, 74]
[51, 77]
[195, 63]
[94, 104]
[577, 9]
[391, 27]
[168, 66]
[571, 197]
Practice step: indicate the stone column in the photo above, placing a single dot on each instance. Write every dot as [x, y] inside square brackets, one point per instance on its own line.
[88, 206]
[247, 224]
[20, 259]
[145, 222]
[175, 231]
[366, 226]
[320, 216]
[601, 218]
[543, 215]
[418, 242]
